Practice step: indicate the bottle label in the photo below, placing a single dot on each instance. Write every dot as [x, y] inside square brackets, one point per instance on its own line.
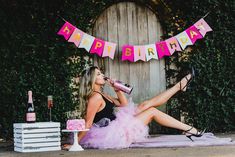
[30, 117]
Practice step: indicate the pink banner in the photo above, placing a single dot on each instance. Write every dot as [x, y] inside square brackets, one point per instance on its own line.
[193, 34]
[202, 27]
[76, 37]
[139, 53]
[135, 53]
[66, 30]
[128, 53]
[97, 47]
[173, 45]
[162, 49]
[109, 49]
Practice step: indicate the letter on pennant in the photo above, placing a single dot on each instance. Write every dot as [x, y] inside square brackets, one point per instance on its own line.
[76, 37]
[128, 53]
[109, 49]
[193, 34]
[173, 45]
[66, 30]
[97, 47]
[139, 53]
[151, 52]
[183, 39]
[86, 42]
[202, 27]
[162, 49]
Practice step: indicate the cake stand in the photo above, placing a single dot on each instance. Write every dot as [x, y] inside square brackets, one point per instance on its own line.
[75, 146]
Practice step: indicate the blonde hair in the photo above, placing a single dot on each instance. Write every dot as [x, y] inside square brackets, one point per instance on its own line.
[87, 82]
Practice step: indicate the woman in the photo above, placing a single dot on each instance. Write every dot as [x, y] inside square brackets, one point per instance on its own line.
[115, 122]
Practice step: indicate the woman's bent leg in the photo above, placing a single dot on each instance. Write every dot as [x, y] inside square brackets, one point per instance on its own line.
[163, 119]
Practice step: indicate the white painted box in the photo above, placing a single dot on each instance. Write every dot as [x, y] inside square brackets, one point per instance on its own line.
[37, 137]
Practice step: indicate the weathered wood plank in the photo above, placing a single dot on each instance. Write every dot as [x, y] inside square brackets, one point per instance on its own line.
[103, 34]
[154, 35]
[113, 70]
[143, 69]
[154, 64]
[122, 40]
[133, 40]
[100, 31]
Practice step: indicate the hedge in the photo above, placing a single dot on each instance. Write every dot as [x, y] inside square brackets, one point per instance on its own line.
[33, 57]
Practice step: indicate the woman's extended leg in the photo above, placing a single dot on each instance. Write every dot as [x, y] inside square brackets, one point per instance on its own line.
[163, 119]
[164, 96]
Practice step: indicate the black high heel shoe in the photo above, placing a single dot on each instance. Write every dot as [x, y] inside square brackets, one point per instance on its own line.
[189, 80]
[198, 134]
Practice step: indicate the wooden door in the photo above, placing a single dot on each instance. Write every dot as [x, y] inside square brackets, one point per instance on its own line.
[130, 23]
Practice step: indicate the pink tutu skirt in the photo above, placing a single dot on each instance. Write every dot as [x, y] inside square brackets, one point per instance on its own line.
[120, 133]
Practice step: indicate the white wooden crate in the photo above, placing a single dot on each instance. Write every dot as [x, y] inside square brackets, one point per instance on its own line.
[37, 137]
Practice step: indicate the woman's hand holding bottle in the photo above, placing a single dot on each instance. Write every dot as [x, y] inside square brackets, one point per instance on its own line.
[111, 83]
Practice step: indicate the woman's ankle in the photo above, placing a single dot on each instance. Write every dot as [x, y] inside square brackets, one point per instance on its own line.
[192, 131]
[182, 84]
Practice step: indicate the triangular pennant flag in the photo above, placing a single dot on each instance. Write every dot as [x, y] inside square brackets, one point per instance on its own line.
[97, 47]
[162, 49]
[173, 45]
[87, 41]
[202, 27]
[109, 49]
[76, 37]
[128, 53]
[139, 53]
[151, 52]
[183, 39]
[193, 34]
[66, 30]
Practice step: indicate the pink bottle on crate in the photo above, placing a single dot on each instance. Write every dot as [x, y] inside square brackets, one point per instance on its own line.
[30, 113]
[121, 86]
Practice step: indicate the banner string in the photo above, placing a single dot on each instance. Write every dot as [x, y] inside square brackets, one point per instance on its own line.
[209, 11]
[62, 18]
[206, 14]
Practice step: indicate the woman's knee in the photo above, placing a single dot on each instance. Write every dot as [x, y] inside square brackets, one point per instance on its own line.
[153, 110]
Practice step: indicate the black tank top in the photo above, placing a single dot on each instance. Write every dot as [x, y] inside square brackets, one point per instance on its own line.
[106, 112]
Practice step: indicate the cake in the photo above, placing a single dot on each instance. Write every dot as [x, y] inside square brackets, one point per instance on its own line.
[75, 124]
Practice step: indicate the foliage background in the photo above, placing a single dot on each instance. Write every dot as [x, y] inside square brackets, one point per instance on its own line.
[33, 57]
[211, 103]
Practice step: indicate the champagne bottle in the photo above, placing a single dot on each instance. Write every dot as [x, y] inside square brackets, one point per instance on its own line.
[121, 86]
[30, 113]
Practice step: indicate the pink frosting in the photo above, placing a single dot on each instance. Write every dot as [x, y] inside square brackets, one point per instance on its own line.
[75, 124]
